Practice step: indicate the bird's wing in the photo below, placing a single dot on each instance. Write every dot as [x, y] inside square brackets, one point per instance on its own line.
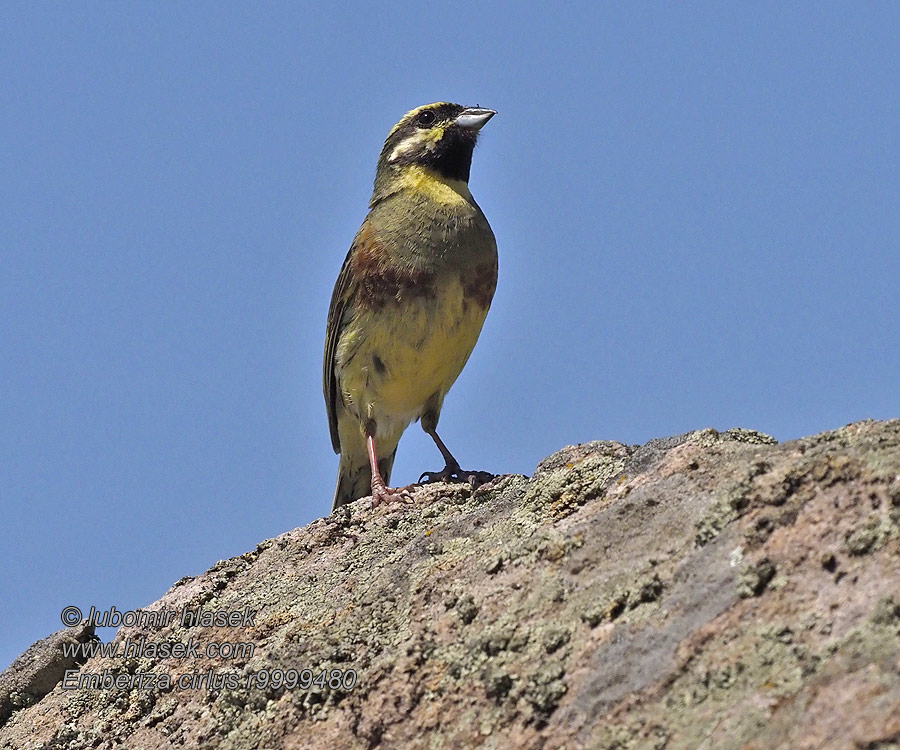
[339, 314]
[336, 312]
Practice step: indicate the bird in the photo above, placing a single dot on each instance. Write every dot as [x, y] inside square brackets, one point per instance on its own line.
[410, 300]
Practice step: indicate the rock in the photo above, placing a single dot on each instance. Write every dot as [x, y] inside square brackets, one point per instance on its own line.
[36, 672]
[707, 590]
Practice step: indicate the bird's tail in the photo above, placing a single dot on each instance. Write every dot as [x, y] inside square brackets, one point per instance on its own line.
[355, 479]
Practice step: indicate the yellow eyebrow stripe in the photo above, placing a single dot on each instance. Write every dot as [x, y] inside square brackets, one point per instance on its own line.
[412, 113]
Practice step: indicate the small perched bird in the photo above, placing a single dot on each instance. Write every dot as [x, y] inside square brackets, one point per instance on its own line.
[410, 300]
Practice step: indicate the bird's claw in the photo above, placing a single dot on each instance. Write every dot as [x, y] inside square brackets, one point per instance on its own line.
[430, 477]
[455, 474]
[382, 495]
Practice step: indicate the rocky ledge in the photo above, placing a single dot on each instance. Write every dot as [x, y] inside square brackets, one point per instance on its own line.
[713, 590]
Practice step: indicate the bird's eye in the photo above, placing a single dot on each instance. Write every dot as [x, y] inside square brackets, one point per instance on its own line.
[425, 119]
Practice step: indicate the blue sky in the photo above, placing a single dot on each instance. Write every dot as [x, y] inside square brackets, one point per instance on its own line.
[696, 207]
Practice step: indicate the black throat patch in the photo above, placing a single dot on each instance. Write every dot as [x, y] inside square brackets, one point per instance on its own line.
[450, 156]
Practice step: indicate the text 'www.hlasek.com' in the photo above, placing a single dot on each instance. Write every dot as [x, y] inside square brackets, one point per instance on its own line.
[133, 649]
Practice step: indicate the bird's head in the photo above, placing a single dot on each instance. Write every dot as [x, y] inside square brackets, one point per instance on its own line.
[436, 138]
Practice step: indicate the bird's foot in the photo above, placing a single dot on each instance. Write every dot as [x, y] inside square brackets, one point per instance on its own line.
[382, 494]
[454, 474]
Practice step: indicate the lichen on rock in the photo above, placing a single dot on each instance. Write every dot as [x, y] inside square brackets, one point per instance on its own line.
[712, 589]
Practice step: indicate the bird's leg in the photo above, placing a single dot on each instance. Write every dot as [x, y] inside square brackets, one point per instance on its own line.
[451, 465]
[381, 493]
[451, 470]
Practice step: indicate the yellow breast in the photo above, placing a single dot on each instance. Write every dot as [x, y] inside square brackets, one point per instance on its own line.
[395, 357]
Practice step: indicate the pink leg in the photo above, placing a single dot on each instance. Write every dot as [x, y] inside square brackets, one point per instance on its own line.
[381, 493]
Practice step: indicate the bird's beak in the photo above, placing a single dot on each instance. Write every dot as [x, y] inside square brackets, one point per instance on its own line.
[474, 118]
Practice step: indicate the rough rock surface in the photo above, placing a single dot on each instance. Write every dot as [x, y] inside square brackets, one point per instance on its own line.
[711, 590]
[35, 673]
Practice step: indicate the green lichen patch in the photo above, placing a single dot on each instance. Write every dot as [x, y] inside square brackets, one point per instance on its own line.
[872, 536]
[559, 492]
[754, 578]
